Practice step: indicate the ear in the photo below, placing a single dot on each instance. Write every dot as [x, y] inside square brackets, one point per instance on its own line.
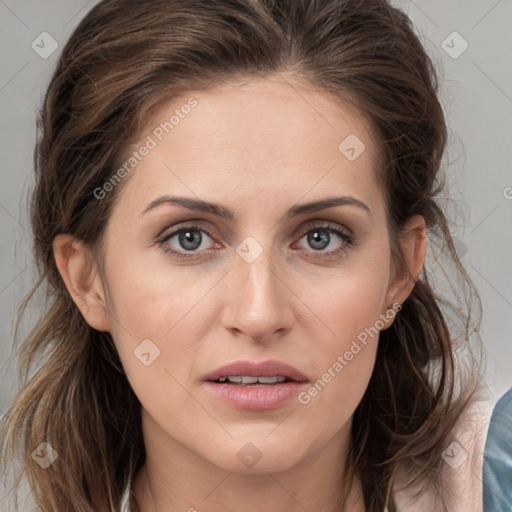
[413, 246]
[79, 272]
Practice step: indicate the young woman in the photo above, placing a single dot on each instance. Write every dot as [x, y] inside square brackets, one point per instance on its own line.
[231, 215]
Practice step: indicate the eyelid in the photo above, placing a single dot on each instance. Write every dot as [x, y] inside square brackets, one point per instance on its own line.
[168, 233]
[317, 223]
[187, 223]
[205, 225]
[346, 235]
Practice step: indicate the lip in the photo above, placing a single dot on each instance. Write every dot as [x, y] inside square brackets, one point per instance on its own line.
[267, 368]
[256, 397]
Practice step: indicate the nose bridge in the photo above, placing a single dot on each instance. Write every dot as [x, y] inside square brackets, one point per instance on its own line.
[259, 276]
[259, 304]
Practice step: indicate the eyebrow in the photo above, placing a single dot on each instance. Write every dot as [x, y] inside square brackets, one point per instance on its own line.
[221, 211]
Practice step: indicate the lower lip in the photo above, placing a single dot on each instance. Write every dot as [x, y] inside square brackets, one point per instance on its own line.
[256, 398]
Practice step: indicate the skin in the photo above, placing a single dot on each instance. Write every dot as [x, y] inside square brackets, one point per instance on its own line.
[258, 147]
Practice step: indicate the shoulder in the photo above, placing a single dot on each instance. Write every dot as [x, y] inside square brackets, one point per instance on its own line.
[461, 467]
[497, 469]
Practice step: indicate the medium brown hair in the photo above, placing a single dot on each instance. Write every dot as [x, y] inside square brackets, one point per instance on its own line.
[127, 57]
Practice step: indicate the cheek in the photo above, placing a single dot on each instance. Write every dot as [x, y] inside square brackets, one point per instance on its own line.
[345, 352]
[158, 336]
[345, 368]
[349, 303]
[153, 300]
[168, 309]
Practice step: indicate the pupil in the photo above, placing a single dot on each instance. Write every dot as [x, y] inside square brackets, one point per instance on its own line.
[320, 237]
[190, 239]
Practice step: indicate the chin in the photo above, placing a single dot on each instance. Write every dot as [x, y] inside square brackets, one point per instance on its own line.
[257, 457]
[274, 463]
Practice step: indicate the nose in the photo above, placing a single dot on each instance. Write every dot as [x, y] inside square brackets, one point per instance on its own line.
[258, 301]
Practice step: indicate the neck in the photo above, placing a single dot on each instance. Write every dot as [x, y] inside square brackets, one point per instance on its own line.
[176, 479]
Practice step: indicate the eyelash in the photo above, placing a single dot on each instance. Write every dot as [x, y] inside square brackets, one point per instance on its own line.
[347, 240]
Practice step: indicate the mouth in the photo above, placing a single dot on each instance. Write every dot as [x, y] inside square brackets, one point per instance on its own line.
[247, 373]
[255, 386]
[247, 380]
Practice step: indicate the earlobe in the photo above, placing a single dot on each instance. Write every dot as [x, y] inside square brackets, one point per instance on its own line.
[413, 247]
[78, 271]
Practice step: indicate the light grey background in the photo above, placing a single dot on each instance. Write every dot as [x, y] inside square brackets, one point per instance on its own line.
[477, 97]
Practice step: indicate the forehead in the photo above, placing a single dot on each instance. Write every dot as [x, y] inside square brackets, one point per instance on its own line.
[258, 133]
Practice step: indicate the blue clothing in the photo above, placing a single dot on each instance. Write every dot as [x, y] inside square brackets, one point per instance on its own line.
[497, 468]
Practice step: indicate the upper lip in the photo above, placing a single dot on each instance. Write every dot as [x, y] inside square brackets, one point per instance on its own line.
[269, 368]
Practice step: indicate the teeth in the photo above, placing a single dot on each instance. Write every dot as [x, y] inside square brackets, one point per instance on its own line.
[249, 380]
[271, 380]
[252, 380]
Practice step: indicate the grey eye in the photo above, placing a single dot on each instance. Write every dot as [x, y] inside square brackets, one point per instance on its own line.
[190, 239]
[319, 239]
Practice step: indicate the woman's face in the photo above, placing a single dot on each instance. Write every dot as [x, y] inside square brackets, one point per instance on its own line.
[265, 282]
